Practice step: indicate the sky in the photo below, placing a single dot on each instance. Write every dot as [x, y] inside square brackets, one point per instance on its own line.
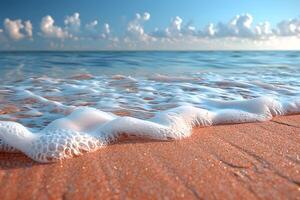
[149, 25]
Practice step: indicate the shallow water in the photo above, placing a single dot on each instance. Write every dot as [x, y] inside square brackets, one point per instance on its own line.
[140, 84]
[228, 87]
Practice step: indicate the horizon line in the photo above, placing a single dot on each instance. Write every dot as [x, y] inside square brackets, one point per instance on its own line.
[224, 50]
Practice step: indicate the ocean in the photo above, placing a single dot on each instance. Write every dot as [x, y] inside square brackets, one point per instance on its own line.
[50, 101]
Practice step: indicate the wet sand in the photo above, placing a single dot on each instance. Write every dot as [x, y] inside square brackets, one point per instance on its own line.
[243, 161]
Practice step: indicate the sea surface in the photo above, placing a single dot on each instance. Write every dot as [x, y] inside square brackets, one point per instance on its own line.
[177, 90]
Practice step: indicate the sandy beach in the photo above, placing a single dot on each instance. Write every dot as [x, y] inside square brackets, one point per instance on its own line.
[241, 161]
[150, 100]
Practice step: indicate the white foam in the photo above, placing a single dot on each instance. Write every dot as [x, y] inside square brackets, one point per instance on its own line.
[88, 129]
[160, 107]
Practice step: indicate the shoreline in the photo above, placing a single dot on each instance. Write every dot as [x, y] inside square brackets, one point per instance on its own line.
[258, 160]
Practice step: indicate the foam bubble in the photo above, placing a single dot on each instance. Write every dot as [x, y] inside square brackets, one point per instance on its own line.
[88, 129]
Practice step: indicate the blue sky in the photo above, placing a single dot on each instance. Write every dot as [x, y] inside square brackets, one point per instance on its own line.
[149, 24]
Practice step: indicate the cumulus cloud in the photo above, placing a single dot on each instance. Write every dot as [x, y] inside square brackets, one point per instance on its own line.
[178, 32]
[92, 25]
[176, 24]
[243, 24]
[135, 29]
[175, 30]
[289, 27]
[94, 31]
[72, 29]
[106, 30]
[175, 27]
[28, 28]
[50, 30]
[73, 22]
[263, 30]
[146, 16]
[210, 30]
[18, 30]
[13, 28]
[239, 26]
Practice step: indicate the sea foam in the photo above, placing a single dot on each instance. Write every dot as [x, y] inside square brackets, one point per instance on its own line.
[84, 101]
[87, 129]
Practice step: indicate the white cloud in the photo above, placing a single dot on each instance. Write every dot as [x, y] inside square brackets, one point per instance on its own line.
[289, 27]
[73, 22]
[106, 28]
[240, 30]
[175, 27]
[146, 16]
[92, 25]
[73, 30]
[239, 26]
[50, 30]
[135, 29]
[92, 31]
[210, 30]
[17, 30]
[263, 30]
[95, 32]
[28, 28]
[176, 23]
[13, 28]
[106, 31]
[242, 24]
[174, 30]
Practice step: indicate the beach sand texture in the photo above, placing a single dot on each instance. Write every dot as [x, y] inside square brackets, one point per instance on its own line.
[240, 161]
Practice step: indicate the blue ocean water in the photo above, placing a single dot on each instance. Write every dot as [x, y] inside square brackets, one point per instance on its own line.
[64, 64]
[141, 84]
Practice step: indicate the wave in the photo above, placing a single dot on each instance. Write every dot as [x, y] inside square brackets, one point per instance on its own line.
[87, 129]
